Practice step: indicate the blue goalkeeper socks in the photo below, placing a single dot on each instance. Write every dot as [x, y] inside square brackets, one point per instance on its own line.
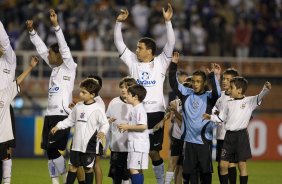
[137, 178]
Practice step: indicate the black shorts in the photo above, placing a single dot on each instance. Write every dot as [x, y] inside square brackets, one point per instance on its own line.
[219, 146]
[176, 147]
[82, 159]
[197, 158]
[59, 139]
[156, 139]
[236, 143]
[4, 147]
[12, 143]
[119, 161]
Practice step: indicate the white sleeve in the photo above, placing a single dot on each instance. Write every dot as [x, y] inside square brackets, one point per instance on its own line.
[41, 48]
[102, 121]
[64, 49]
[221, 117]
[5, 45]
[141, 117]
[69, 121]
[11, 91]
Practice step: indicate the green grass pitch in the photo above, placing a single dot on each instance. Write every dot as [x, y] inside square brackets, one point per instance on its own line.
[34, 171]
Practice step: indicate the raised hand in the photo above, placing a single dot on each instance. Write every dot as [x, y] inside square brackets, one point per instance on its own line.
[100, 135]
[122, 15]
[168, 13]
[34, 61]
[29, 25]
[175, 57]
[53, 17]
[216, 69]
[267, 85]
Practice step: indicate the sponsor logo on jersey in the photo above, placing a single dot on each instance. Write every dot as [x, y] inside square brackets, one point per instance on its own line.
[54, 89]
[66, 78]
[145, 80]
[243, 105]
[5, 70]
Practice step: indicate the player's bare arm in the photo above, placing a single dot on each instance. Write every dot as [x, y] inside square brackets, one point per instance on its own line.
[100, 135]
[122, 15]
[168, 13]
[207, 116]
[267, 85]
[1, 52]
[53, 18]
[33, 63]
[175, 57]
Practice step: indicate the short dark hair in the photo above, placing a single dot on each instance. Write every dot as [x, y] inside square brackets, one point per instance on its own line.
[231, 71]
[55, 47]
[91, 85]
[200, 73]
[138, 90]
[240, 83]
[127, 81]
[149, 43]
[97, 77]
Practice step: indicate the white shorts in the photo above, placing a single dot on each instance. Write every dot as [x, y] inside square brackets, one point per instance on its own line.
[137, 160]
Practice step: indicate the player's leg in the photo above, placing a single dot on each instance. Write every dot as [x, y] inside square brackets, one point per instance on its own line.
[80, 175]
[6, 163]
[232, 173]
[171, 169]
[243, 172]
[204, 155]
[156, 141]
[178, 171]
[137, 161]
[118, 169]
[74, 163]
[98, 171]
[89, 160]
[219, 144]
[54, 143]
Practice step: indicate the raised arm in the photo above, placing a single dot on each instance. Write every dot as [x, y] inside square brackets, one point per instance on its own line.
[169, 46]
[63, 47]
[212, 76]
[33, 63]
[265, 90]
[6, 50]
[41, 48]
[119, 43]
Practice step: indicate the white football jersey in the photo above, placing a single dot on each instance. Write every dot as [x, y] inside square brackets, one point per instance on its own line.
[7, 60]
[62, 78]
[87, 120]
[6, 97]
[100, 101]
[220, 130]
[151, 75]
[237, 112]
[119, 110]
[138, 141]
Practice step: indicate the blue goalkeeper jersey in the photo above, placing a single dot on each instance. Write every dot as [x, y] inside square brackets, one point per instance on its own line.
[196, 129]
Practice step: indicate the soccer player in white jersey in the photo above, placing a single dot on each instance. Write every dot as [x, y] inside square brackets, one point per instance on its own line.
[6, 131]
[61, 83]
[117, 113]
[236, 115]
[149, 71]
[227, 75]
[7, 75]
[90, 124]
[138, 135]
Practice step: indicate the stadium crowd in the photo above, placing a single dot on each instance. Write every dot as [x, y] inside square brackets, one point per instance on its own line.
[202, 27]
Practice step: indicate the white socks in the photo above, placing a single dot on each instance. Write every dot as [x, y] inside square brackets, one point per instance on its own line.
[168, 177]
[159, 173]
[7, 171]
[125, 182]
[55, 180]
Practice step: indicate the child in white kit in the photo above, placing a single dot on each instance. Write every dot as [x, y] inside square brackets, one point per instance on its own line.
[138, 136]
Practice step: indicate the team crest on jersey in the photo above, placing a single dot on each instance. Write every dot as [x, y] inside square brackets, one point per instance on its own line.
[243, 105]
[195, 105]
[82, 115]
[145, 79]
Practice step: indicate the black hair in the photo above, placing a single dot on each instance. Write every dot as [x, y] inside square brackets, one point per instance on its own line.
[138, 90]
[127, 81]
[231, 71]
[98, 78]
[181, 72]
[149, 43]
[91, 85]
[55, 47]
[240, 83]
[200, 73]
